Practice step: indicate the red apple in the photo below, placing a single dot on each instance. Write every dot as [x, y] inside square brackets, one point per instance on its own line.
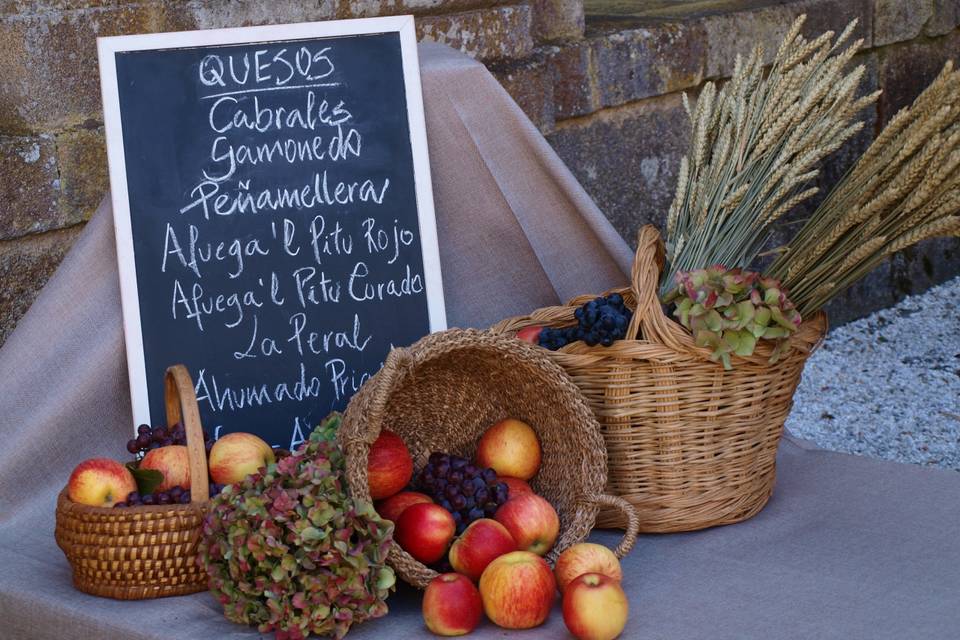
[173, 462]
[510, 448]
[100, 482]
[530, 334]
[451, 605]
[531, 520]
[389, 467]
[518, 590]
[595, 607]
[480, 544]
[238, 455]
[425, 531]
[391, 508]
[516, 486]
[586, 557]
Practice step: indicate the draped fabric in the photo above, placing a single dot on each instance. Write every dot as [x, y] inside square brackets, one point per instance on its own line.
[847, 548]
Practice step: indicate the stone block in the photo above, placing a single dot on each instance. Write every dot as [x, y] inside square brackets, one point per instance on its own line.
[25, 266]
[899, 20]
[732, 33]
[627, 158]
[29, 186]
[871, 293]
[216, 14]
[917, 268]
[528, 82]
[24, 7]
[573, 74]
[907, 69]
[733, 27]
[84, 178]
[945, 18]
[644, 62]
[554, 20]
[489, 34]
[48, 74]
[370, 8]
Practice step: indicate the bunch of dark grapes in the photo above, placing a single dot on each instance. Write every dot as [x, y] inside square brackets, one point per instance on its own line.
[462, 488]
[155, 437]
[601, 321]
[175, 495]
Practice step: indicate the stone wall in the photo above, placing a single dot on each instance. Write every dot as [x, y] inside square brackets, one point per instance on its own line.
[601, 78]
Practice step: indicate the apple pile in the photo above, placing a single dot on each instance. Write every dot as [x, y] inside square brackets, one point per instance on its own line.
[484, 528]
[160, 474]
[517, 591]
[486, 502]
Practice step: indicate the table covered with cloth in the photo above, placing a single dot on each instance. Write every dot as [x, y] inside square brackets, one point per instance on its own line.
[847, 547]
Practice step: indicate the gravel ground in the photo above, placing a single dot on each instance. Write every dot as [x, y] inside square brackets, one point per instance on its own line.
[888, 385]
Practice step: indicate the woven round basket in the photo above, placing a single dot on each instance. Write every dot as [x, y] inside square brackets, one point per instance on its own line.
[689, 444]
[135, 553]
[443, 392]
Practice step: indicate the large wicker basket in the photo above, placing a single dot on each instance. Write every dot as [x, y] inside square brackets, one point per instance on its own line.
[442, 393]
[688, 444]
[142, 552]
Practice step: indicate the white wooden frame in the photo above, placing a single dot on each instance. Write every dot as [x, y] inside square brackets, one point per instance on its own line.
[110, 46]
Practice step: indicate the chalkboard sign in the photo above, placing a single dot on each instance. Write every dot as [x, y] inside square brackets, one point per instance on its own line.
[274, 216]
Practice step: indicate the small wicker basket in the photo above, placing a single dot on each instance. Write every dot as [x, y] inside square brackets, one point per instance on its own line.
[689, 444]
[442, 393]
[143, 552]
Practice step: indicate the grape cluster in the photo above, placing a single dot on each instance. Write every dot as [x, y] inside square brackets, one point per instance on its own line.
[462, 488]
[602, 321]
[175, 495]
[154, 437]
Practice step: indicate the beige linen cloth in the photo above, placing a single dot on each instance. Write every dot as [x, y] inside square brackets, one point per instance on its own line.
[847, 548]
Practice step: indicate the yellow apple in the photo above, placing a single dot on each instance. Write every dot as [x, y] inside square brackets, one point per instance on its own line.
[100, 482]
[510, 448]
[595, 607]
[237, 455]
[518, 590]
[586, 557]
[173, 462]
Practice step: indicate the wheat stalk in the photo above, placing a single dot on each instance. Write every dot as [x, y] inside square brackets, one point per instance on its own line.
[756, 144]
[903, 190]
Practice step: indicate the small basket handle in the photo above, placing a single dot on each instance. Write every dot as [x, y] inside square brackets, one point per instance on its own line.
[633, 521]
[181, 404]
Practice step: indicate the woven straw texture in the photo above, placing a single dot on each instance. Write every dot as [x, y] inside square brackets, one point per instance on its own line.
[142, 552]
[443, 392]
[688, 444]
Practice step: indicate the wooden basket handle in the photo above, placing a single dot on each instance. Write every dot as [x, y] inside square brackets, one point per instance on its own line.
[633, 521]
[648, 320]
[181, 403]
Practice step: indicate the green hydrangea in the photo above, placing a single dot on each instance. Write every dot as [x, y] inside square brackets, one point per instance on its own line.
[290, 550]
[728, 310]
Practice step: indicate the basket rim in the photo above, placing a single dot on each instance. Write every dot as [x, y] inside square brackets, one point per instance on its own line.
[65, 503]
[807, 338]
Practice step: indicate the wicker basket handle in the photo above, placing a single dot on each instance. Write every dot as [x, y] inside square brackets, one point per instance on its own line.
[181, 403]
[357, 437]
[633, 521]
[398, 361]
[648, 320]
